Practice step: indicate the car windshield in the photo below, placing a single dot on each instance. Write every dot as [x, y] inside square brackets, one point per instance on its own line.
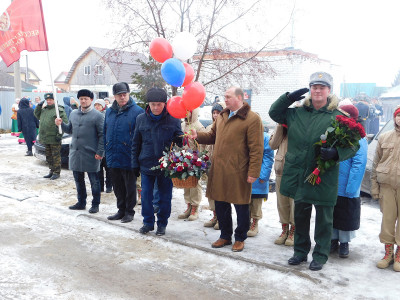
[388, 126]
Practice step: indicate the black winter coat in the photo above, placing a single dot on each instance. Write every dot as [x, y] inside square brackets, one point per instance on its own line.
[153, 137]
[346, 215]
[27, 122]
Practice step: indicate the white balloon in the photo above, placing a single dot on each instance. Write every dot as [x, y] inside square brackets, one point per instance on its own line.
[184, 45]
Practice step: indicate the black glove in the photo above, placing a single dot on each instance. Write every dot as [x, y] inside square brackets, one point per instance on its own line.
[41, 103]
[329, 153]
[136, 171]
[297, 95]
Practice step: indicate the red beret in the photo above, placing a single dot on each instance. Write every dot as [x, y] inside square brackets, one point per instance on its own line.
[397, 111]
[351, 110]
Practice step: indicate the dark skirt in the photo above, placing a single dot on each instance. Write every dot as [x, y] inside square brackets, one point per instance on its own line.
[346, 215]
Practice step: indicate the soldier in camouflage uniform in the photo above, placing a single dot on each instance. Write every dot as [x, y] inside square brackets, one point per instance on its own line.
[49, 135]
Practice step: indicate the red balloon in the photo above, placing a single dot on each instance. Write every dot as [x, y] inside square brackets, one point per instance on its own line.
[189, 75]
[160, 49]
[193, 95]
[176, 108]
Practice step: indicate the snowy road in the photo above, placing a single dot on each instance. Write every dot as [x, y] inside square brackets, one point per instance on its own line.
[50, 252]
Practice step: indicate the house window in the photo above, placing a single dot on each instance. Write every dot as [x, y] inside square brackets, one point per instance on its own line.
[99, 70]
[86, 70]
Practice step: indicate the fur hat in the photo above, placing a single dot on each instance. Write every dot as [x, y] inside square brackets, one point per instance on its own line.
[85, 93]
[156, 95]
[121, 88]
[351, 110]
[321, 78]
[101, 102]
[48, 96]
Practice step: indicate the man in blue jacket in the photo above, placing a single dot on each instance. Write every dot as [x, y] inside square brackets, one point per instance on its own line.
[119, 127]
[155, 130]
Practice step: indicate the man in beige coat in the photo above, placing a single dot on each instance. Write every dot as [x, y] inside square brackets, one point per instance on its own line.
[238, 141]
[385, 186]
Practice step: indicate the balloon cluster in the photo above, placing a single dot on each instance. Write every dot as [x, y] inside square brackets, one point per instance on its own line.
[178, 73]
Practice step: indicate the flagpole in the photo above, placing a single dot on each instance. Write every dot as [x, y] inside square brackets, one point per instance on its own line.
[17, 78]
[54, 92]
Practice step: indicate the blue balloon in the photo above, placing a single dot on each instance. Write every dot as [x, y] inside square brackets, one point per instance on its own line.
[173, 72]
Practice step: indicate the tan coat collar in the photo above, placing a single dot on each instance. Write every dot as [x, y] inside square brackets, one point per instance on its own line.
[242, 112]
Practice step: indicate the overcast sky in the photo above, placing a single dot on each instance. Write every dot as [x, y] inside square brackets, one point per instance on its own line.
[360, 35]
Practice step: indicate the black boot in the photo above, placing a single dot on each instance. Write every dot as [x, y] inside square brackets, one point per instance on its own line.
[55, 176]
[334, 245]
[77, 206]
[49, 175]
[117, 216]
[94, 209]
[127, 219]
[29, 153]
[344, 250]
[296, 260]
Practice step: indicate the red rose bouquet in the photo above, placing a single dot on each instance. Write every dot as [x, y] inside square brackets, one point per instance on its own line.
[182, 163]
[344, 132]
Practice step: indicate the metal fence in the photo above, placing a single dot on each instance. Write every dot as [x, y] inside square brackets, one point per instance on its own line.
[7, 99]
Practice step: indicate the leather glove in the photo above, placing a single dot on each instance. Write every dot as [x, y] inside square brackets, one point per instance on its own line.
[329, 153]
[297, 95]
[41, 103]
[136, 171]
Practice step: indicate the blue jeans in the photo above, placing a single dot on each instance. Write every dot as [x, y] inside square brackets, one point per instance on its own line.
[224, 216]
[81, 187]
[164, 186]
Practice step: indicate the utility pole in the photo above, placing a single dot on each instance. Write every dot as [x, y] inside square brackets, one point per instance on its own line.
[17, 78]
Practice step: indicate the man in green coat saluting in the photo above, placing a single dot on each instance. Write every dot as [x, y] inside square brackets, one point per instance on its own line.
[306, 123]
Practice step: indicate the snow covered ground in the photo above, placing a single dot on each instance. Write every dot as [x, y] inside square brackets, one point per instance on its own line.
[50, 252]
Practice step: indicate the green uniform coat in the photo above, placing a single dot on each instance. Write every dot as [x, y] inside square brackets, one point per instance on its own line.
[305, 126]
[48, 130]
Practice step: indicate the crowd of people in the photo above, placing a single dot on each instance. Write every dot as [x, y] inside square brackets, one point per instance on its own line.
[127, 142]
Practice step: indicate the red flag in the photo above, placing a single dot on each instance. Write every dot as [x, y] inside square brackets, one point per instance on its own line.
[22, 28]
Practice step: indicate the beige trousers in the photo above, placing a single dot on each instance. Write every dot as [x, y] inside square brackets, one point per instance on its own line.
[389, 200]
[193, 195]
[285, 204]
[256, 208]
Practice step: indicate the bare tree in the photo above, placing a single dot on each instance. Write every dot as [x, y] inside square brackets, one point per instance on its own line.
[222, 59]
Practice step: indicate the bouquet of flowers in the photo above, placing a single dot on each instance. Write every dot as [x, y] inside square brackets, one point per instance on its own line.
[344, 132]
[183, 163]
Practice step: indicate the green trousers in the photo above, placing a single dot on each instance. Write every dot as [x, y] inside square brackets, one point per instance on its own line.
[53, 157]
[322, 233]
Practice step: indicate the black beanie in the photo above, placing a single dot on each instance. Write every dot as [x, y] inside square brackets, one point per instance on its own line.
[217, 106]
[85, 93]
[156, 95]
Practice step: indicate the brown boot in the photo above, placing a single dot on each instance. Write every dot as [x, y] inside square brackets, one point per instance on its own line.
[221, 243]
[396, 265]
[238, 246]
[388, 258]
[253, 228]
[212, 222]
[194, 214]
[290, 239]
[186, 213]
[282, 238]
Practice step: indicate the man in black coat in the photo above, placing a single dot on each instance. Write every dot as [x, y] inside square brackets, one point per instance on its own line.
[27, 123]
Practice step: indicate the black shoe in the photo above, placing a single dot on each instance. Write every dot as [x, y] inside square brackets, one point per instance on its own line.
[55, 176]
[94, 209]
[334, 246]
[145, 229]
[77, 206]
[156, 209]
[127, 219]
[344, 250]
[29, 153]
[108, 190]
[48, 175]
[160, 230]
[117, 216]
[315, 266]
[296, 260]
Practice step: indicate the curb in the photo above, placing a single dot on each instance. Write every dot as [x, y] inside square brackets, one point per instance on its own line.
[278, 268]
